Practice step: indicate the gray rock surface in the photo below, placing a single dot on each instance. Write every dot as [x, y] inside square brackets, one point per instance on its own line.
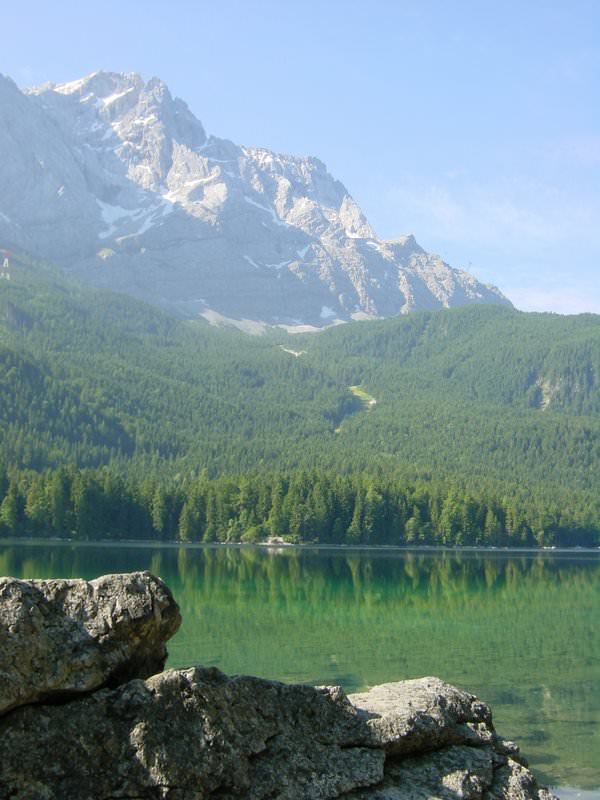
[63, 637]
[200, 734]
[455, 773]
[189, 734]
[424, 714]
[113, 178]
[440, 743]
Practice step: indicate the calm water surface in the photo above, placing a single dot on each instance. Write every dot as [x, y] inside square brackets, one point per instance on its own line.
[520, 630]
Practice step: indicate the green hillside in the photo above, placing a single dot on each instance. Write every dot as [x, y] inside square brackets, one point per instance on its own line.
[478, 390]
[91, 377]
[481, 399]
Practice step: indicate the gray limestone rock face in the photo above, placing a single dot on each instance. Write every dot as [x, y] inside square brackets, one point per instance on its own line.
[189, 735]
[114, 179]
[196, 734]
[441, 745]
[455, 773]
[63, 637]
[424, 714]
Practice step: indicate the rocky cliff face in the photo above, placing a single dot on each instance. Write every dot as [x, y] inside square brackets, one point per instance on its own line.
[114, 179]
[196, 733]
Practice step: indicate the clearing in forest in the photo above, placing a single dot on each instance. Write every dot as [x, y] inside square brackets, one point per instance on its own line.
[367, 402]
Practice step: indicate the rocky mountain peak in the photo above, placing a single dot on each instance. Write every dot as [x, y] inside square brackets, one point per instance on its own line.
[113, 178]
[7, 82]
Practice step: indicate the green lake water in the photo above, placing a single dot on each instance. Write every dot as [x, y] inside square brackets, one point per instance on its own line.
[520, 630]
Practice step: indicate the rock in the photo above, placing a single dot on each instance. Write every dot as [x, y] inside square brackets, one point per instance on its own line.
[199, 734]
[424, 714]
[65, 637]
[190, 734]
[455, 773]
[513, 781]
[459, 753]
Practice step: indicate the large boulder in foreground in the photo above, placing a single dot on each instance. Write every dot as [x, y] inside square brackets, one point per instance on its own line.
[425, 714]
[196, 734]
[440, 743]
[64, 637]
[186, 735]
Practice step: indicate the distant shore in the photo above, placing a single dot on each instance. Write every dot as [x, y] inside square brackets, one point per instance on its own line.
[282, 545]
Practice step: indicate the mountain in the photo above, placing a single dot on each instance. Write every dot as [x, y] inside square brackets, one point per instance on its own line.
[115, 180]
[482, 417]
[91, 377]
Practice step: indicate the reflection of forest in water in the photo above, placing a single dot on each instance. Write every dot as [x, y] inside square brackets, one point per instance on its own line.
[521, 630]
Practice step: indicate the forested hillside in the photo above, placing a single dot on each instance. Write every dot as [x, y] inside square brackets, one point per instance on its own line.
[488, 405]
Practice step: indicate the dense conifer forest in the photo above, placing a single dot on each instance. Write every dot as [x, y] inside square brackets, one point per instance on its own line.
[318, 507]
[478, 425]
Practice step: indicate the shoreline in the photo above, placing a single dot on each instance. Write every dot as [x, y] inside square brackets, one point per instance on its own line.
[281, 545]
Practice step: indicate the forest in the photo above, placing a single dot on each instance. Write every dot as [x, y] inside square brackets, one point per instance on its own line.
[304, 507]
[478, 425]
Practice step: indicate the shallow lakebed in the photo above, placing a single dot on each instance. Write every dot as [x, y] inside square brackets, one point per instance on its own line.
[521, 630]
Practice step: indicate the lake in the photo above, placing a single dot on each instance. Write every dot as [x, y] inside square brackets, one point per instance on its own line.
[521, 630]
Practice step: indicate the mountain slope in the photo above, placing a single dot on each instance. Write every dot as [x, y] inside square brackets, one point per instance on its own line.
[91, 377]
[116, 180]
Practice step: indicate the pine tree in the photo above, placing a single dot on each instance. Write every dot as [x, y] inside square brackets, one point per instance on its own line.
[12, 510]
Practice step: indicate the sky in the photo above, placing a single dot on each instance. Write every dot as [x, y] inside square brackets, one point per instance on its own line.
[473, 125]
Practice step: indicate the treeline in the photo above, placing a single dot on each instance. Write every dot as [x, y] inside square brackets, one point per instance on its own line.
[300, 507]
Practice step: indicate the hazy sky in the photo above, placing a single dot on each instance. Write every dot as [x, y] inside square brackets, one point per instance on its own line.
[473, 125]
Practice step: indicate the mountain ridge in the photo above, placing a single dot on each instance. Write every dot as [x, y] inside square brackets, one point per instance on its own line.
[116, 180]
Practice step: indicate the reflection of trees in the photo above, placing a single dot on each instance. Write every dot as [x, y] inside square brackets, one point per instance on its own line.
[296, 575]
[493, 623]
[238, 576]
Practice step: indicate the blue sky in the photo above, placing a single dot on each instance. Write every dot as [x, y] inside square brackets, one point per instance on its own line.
[473, 125]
